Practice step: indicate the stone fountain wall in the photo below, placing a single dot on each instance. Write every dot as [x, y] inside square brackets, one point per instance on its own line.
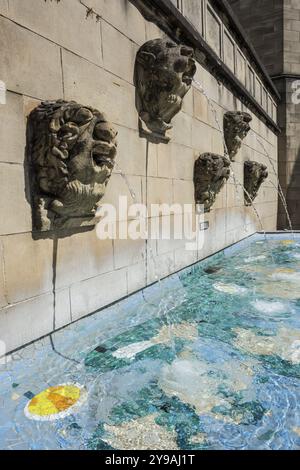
[274, 29]
[64, 50]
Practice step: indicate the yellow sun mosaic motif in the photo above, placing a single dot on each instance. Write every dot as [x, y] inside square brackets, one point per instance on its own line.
[55, 402]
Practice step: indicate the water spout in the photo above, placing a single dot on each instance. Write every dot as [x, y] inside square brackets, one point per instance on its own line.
[131, 191]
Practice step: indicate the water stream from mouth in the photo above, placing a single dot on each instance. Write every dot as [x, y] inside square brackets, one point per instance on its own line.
[164, 307]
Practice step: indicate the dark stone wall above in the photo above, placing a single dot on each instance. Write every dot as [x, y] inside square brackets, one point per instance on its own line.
[263, 22]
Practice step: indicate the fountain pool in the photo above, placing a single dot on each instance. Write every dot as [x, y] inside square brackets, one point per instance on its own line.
[209, 358]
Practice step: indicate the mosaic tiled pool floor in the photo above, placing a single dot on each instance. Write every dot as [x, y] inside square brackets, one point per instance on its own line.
[207, 359]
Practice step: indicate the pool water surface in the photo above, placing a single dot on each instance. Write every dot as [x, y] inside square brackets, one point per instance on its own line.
[208, 358]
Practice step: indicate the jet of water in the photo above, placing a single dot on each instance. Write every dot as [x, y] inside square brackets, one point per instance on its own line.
[279, 188]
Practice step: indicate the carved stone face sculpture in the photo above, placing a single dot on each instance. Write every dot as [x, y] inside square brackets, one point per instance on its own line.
[254, 175]
[71, 151]
[211, 172]
[236, 128]
[163, 75]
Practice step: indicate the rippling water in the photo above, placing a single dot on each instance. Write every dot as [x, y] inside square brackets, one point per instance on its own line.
[209, 359]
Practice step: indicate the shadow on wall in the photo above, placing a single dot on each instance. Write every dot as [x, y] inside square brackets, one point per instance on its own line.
[293, 194]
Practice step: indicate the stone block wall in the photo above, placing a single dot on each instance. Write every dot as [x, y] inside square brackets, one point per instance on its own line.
[52, 50]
